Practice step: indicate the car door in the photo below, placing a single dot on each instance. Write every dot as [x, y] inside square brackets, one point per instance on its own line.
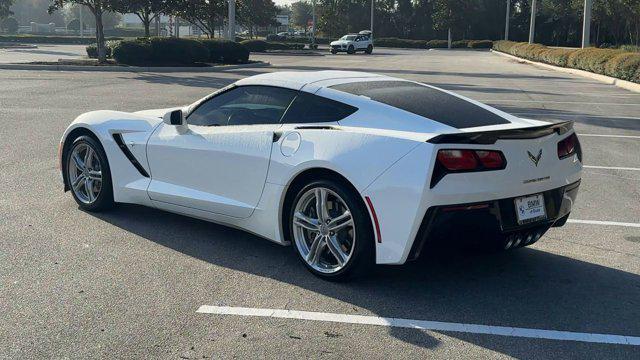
[218, 162]
[357, 43]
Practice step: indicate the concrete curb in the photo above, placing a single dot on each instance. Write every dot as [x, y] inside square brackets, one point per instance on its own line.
[627, 85]
[130, 68]
[285, 53]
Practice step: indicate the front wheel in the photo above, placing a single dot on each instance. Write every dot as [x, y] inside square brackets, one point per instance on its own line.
[351, 50]
[88, 174]
[331, 230]
[334, 51]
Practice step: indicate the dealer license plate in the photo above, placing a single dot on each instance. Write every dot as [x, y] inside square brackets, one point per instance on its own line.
[530, 209]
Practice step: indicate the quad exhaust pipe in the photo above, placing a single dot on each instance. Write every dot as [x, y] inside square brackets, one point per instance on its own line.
[522, 239]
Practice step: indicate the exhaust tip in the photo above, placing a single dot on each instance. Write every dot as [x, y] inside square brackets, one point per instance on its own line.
[509, 243]
[518, 240]
[529, 239]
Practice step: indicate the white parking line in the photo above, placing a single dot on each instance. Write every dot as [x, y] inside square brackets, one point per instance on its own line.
[613, 136]
[571, 116]
[610, 168]
[423, 325]
[596, 222]
[497, 101]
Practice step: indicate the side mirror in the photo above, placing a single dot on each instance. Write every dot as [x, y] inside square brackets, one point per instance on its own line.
[174, 117]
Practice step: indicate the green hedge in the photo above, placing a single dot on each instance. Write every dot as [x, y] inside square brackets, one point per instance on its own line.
[92, 49]
[45, 39]
[460, 44]
[617, 63]
[177, 51]
[132, 52]
[480, 44]
[298, 39]
[263, 46]
[125, 32]
[173, 51]
[437, 44]
[226, 51]
[399, 43]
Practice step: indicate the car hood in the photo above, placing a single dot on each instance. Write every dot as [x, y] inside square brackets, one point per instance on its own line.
[341, 42]
[156, 112]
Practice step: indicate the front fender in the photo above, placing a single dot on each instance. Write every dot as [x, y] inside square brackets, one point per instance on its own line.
[129, 185]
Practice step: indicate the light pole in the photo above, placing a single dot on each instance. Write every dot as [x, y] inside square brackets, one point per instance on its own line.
[371, 29]
[586, 24]
[313, 24]
[532, 23]
[506, 24]
[81, 22]
[232, 20]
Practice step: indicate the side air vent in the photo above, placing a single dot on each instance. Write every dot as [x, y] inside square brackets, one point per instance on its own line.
[129, 155]
[316, 127]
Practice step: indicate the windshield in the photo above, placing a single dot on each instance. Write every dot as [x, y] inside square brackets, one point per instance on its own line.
[348, 37]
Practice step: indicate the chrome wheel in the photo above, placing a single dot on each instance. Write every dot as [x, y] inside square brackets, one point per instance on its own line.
[84, 173]
[324, 230]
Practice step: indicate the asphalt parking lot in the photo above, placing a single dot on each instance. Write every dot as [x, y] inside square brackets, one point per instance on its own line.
[128, 283]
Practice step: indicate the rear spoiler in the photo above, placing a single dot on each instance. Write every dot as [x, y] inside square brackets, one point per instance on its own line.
[490, 137]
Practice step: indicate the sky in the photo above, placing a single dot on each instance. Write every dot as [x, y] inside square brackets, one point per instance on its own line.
[284, 2]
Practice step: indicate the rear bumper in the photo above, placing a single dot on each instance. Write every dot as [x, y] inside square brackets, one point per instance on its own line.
[490, 218]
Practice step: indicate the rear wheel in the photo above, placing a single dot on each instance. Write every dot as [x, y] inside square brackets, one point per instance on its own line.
[369, 49]
[331, 231]
[88, 174]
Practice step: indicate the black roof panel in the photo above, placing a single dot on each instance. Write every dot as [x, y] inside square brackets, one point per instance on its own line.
[425, 101]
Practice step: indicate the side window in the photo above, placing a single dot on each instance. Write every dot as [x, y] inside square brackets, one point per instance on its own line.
[309, 108]
[244, 105]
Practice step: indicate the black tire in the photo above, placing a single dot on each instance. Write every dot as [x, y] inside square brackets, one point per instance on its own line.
[351, 50]
[363, 256]
[334, 51]
[104, 199]
[369, 49]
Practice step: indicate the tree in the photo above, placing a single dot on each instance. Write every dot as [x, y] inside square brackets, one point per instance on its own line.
[301, 13]
[452, 14]
[9, 25]
[4, 8]
[205, 14]
[26, 11]
[97, 8]
[146, 10]
[253, 13]
[110, 19]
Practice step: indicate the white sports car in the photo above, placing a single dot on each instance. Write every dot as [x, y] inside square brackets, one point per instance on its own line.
[351, 168]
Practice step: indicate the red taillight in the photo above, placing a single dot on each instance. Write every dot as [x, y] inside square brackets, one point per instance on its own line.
[490, 159]
[567, 147]
[457, 159]
[466, 160]
[470, 160]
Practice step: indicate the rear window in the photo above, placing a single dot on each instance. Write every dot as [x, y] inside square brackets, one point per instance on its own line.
[424, 101]
[309, 108]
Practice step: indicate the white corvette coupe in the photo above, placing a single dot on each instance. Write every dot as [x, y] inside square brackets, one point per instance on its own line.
[351, 168]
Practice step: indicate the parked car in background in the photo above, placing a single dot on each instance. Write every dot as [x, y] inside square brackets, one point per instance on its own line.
[351, 43]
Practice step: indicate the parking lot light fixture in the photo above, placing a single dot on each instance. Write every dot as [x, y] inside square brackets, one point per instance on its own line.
[506, 25]
[371, 27]
[586, 24]
[532, 24]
